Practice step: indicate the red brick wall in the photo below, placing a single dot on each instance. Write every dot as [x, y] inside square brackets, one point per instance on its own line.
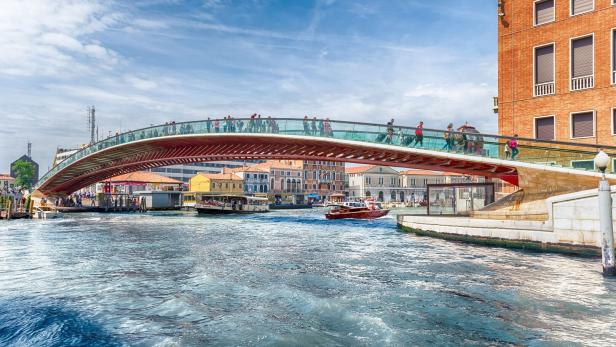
[517, 39]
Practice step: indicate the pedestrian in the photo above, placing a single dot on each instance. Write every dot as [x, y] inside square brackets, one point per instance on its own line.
[306, 126]
[321, 128]
[448, 136]
[327, 127]
[513, 144]
[313, 125]
[418, 134]
[507, 150]
[216, 125]
[208, 125]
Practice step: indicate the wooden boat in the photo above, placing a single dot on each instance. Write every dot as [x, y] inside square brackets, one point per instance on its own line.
[225, 204]
[357, 210]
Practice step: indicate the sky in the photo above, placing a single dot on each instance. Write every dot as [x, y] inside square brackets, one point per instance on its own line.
[148, 62]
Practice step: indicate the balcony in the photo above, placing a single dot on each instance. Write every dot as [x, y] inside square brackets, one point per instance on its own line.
[583, 82]
[495, 104]
[543, 89]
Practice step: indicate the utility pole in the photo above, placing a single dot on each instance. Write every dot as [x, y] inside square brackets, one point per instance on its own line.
[92, 123]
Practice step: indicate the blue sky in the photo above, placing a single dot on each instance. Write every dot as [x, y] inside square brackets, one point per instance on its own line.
[147, 62]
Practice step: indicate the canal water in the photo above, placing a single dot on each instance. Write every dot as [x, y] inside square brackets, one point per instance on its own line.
[285, 278]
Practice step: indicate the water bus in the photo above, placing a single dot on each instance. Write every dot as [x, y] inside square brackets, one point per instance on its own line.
[228, 203]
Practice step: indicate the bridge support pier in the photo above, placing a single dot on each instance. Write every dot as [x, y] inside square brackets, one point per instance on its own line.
[607, 230]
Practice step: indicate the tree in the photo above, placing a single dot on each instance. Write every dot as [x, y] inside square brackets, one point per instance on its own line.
[24, 174]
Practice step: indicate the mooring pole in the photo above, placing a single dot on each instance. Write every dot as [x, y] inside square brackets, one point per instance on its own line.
[607, 230]
[605, 217]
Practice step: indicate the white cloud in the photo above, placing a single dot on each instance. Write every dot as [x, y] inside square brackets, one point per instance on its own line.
[41, 37]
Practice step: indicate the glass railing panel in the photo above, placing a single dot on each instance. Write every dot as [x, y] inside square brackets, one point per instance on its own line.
[568, 155]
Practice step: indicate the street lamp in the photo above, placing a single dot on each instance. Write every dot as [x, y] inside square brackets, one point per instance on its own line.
[601, 161]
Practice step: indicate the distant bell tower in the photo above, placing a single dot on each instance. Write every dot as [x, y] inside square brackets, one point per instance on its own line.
[29, 149]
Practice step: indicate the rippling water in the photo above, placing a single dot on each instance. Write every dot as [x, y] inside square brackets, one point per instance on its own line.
[285, 279]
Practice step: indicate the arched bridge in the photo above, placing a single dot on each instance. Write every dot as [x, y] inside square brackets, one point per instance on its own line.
[540, 166]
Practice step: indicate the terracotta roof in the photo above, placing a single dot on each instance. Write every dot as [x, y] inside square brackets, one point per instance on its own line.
[359, 169]
[144, 177]
[268, 165]
[221, 176]
[6, 177]
[428, 173]
[251, 168]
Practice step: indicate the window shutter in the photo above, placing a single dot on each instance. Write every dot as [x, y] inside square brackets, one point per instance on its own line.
[582, 124]
[544, 64]
[581, 6]
[544, 11]
[614, 122]
[614, 51]
[544, 128]
[582, 61]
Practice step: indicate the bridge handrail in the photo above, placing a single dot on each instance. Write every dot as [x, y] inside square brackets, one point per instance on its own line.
[485, 145]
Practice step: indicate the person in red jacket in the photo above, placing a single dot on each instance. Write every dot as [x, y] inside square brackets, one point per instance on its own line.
[419, 134]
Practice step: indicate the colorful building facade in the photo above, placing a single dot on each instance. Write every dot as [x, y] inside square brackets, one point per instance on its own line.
[322, 179]
[226, 183]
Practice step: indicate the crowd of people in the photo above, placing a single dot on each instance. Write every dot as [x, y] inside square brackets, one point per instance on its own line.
[465, 139]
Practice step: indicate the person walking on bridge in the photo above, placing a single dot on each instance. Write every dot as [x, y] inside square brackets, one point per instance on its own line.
[448, 136]
[306, 126]
[313, 125]
[513, 144]
[419, 134]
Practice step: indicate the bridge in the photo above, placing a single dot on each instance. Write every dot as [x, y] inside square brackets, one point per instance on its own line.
[542, 168]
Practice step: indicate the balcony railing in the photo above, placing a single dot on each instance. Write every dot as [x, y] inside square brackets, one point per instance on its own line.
[583, 82]
[543, 89]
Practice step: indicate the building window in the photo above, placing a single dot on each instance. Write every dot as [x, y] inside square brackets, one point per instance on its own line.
[583, 124]
[544, 11]
[583, 164]
[581, 6]
[544, 128]
[614, 121]
[614, 55]
[544, 70]
[582, 63]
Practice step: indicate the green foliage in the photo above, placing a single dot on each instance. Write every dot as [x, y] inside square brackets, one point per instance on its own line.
[24, 173]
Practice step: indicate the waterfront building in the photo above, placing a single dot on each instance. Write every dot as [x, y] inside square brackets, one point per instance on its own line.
[557, 71]
[382, 183]
[221, 183]
[323, 180]
[138, 181]
[416, 181]
[285, 181]
[6, 182]
[256, 179]
[185, 172]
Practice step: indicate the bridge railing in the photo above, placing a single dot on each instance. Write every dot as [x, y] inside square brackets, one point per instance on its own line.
[565, 154]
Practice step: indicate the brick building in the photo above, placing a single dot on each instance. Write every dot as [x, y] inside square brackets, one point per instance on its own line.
[556, 70]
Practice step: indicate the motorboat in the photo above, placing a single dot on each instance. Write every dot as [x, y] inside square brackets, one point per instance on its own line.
[225, 204]
[367, 209]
